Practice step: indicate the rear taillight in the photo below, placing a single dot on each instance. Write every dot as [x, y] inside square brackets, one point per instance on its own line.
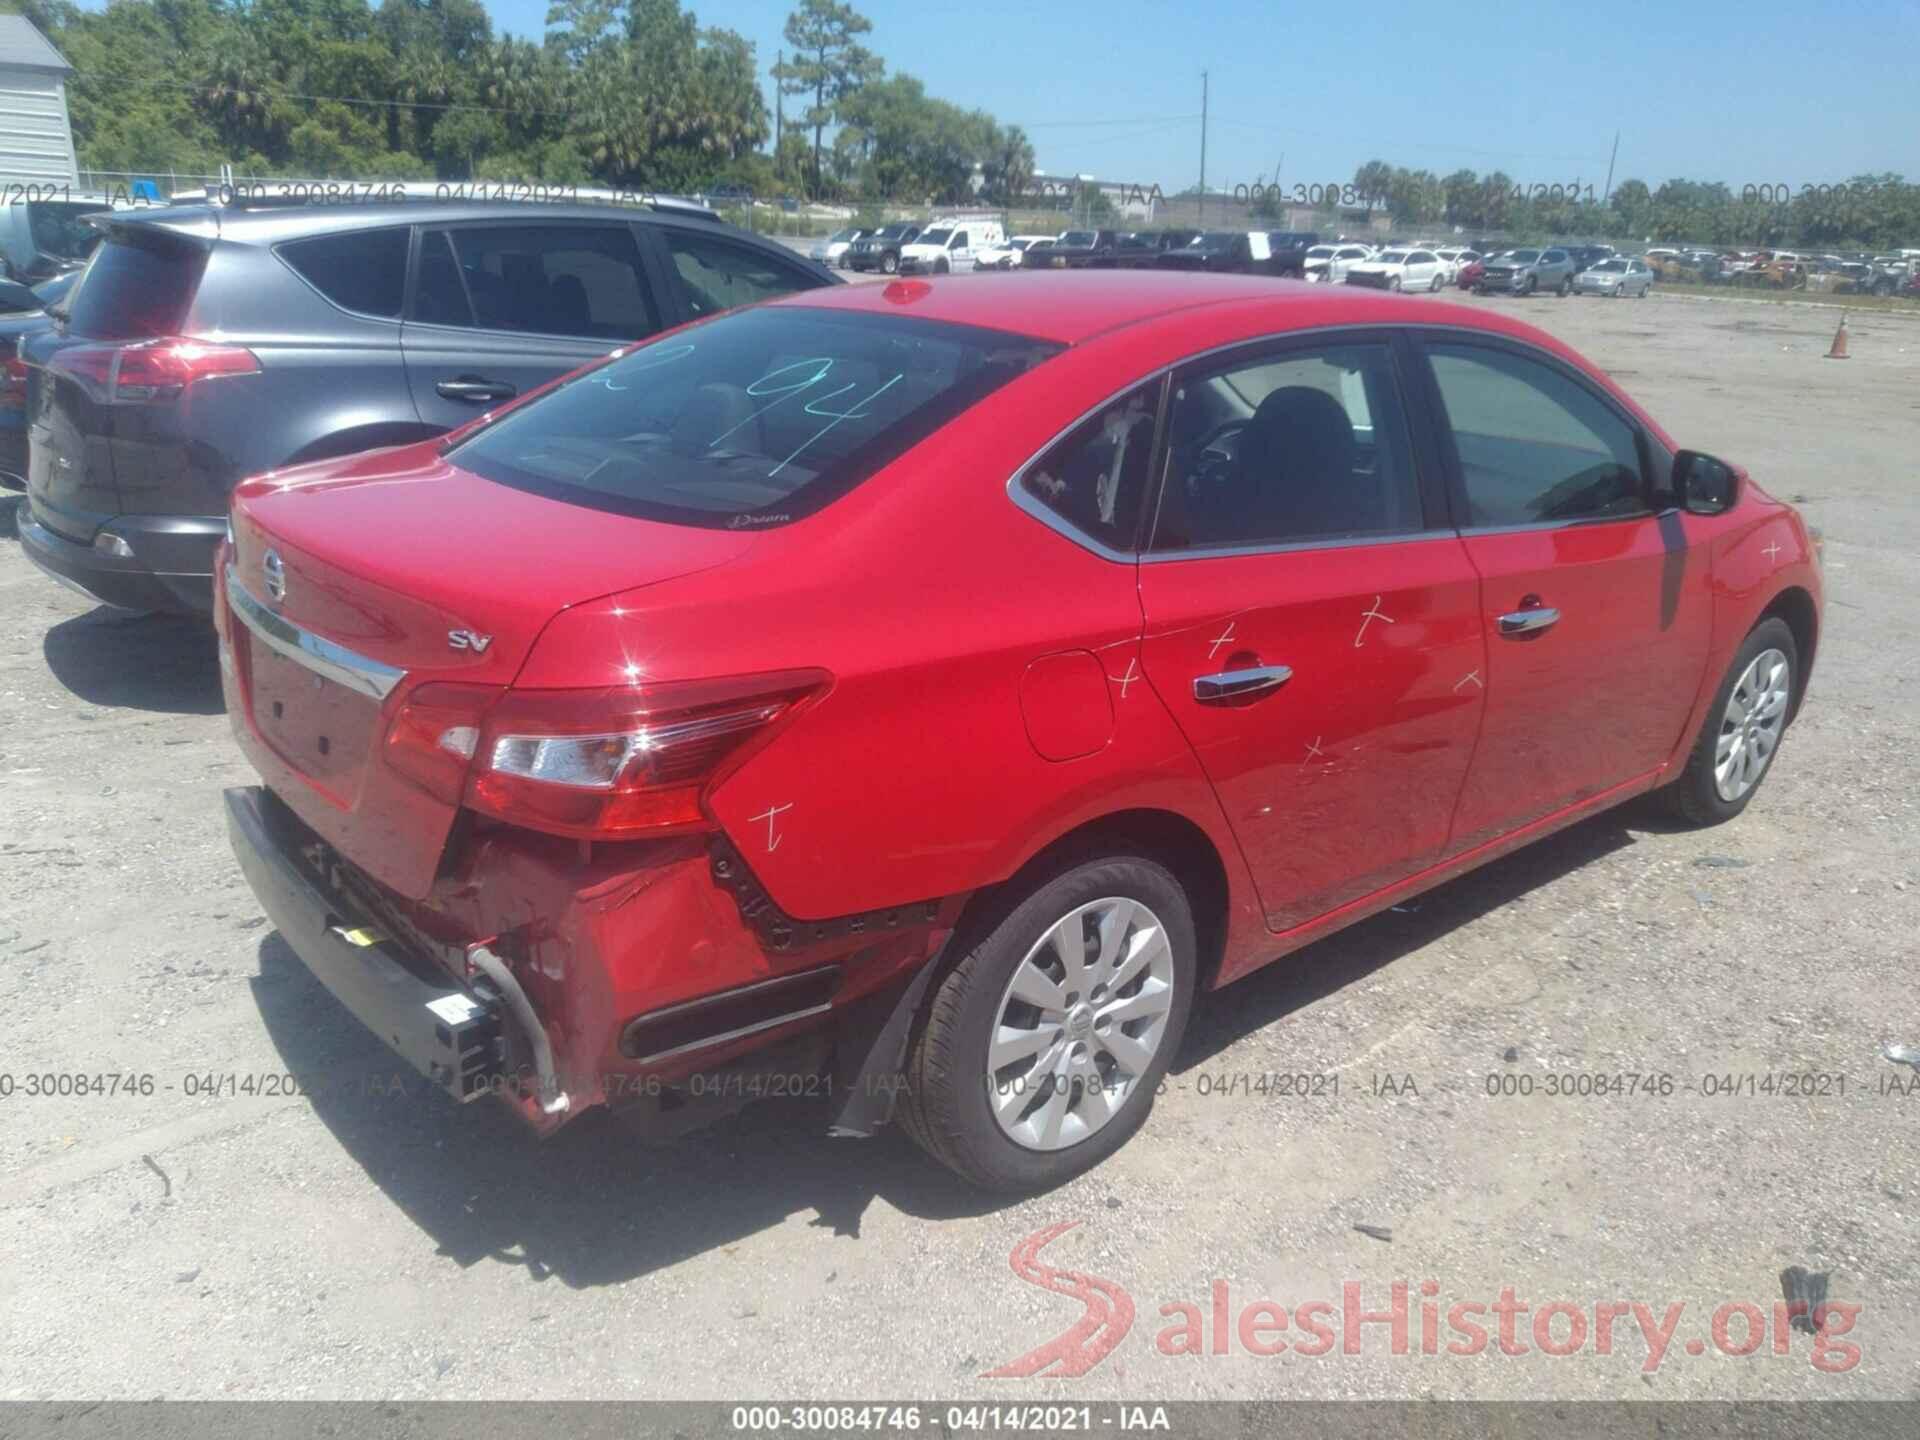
[605, 764]
[153, 371]
[13, 385]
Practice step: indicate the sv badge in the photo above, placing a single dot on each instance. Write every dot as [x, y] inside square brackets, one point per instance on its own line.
[469, 640]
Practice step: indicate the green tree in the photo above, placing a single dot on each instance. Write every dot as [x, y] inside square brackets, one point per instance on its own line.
[828, 63]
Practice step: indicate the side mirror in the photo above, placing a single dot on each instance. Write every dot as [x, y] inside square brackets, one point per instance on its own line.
[1704, 485]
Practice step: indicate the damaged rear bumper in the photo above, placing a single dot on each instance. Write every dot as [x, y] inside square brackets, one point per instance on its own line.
[645, 989]
[447, 1032]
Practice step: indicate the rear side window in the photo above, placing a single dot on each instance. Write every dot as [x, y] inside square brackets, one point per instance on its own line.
[1096, 478]
[717, 274]
[579, 280]
[138, 287]
[754, 420]
[365, 271]
[1535, 447]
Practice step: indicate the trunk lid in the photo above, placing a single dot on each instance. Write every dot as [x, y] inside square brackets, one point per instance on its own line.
[357, 582]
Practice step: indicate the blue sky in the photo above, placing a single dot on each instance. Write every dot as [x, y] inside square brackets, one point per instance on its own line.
[1747, 93]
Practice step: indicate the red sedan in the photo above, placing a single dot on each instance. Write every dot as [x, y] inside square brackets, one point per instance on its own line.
[916, 695]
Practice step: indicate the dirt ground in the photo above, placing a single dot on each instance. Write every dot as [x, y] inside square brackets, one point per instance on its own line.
[201, 1241]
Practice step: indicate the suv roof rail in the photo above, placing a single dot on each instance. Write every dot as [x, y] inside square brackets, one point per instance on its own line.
[288, 193]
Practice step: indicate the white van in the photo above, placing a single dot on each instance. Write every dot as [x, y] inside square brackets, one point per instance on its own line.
[951, 245]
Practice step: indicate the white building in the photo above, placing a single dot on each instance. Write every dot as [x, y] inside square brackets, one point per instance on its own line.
[36, 140]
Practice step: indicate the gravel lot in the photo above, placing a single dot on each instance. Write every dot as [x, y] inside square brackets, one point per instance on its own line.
[355, 1244]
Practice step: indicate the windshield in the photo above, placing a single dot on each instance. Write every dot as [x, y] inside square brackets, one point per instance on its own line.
[1217, 239]
[1609, 267]
[1320, 252]
[1077, 237]
[934, 237]
[1394, 257]
[893, 232]
[141, 286]
[1525, 257]
[755, 419]
[852, 232]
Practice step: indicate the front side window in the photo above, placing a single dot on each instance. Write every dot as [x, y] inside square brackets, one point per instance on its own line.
[1096, 478]
[717, 274]
[1304, 446]
[754, 420]
[1535, 446]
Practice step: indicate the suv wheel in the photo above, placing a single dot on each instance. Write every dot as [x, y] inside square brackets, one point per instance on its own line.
[890, 264]
[1533, 284]
[1566, 286]
[1742, 730]
[1041, 1050]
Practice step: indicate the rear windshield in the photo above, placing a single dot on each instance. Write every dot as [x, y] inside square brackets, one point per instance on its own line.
[755, 419]
[59, 228]
[137, 288]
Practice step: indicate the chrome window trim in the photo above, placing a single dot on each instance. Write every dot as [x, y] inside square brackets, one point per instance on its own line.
[361, 673]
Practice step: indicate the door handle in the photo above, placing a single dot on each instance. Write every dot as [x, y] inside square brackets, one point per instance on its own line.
[1528, 622]
[476, 388]
[1235, 684]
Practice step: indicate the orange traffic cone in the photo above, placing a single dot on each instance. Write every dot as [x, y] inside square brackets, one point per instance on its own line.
[1839, 348]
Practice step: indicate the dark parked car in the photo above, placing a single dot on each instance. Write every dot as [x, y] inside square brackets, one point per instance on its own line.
[881, 250]
[29, 319]
[1141, 249]
[212, 342]
[1229, 252]
[1289, 251]
[1081, 250]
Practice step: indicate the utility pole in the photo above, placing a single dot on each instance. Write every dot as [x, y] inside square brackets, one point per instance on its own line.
[1610, 159]
[779, 96]
[1203, 147]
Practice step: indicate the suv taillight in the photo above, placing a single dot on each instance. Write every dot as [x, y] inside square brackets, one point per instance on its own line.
[153, 370]
[605, 764]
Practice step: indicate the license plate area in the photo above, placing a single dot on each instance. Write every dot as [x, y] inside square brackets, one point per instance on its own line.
[321, 728]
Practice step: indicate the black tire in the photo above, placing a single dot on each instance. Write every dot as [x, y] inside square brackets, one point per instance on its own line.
[1693, 797]
[1533, 284]
[1566, 287]
[889, 264]
[1393, 283]
[941, 267]
[946, 1104]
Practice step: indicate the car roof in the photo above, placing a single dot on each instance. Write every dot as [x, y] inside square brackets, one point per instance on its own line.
[269, 224]
[1077, 305]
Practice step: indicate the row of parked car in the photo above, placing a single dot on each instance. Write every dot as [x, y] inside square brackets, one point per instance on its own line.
[1895, 272]
[961, 244]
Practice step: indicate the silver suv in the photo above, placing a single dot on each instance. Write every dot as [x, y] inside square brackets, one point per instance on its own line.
[1522, 272]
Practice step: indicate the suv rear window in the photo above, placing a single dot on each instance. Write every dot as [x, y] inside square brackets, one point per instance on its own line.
[138, 287]
[756, 419]
[363, 270]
